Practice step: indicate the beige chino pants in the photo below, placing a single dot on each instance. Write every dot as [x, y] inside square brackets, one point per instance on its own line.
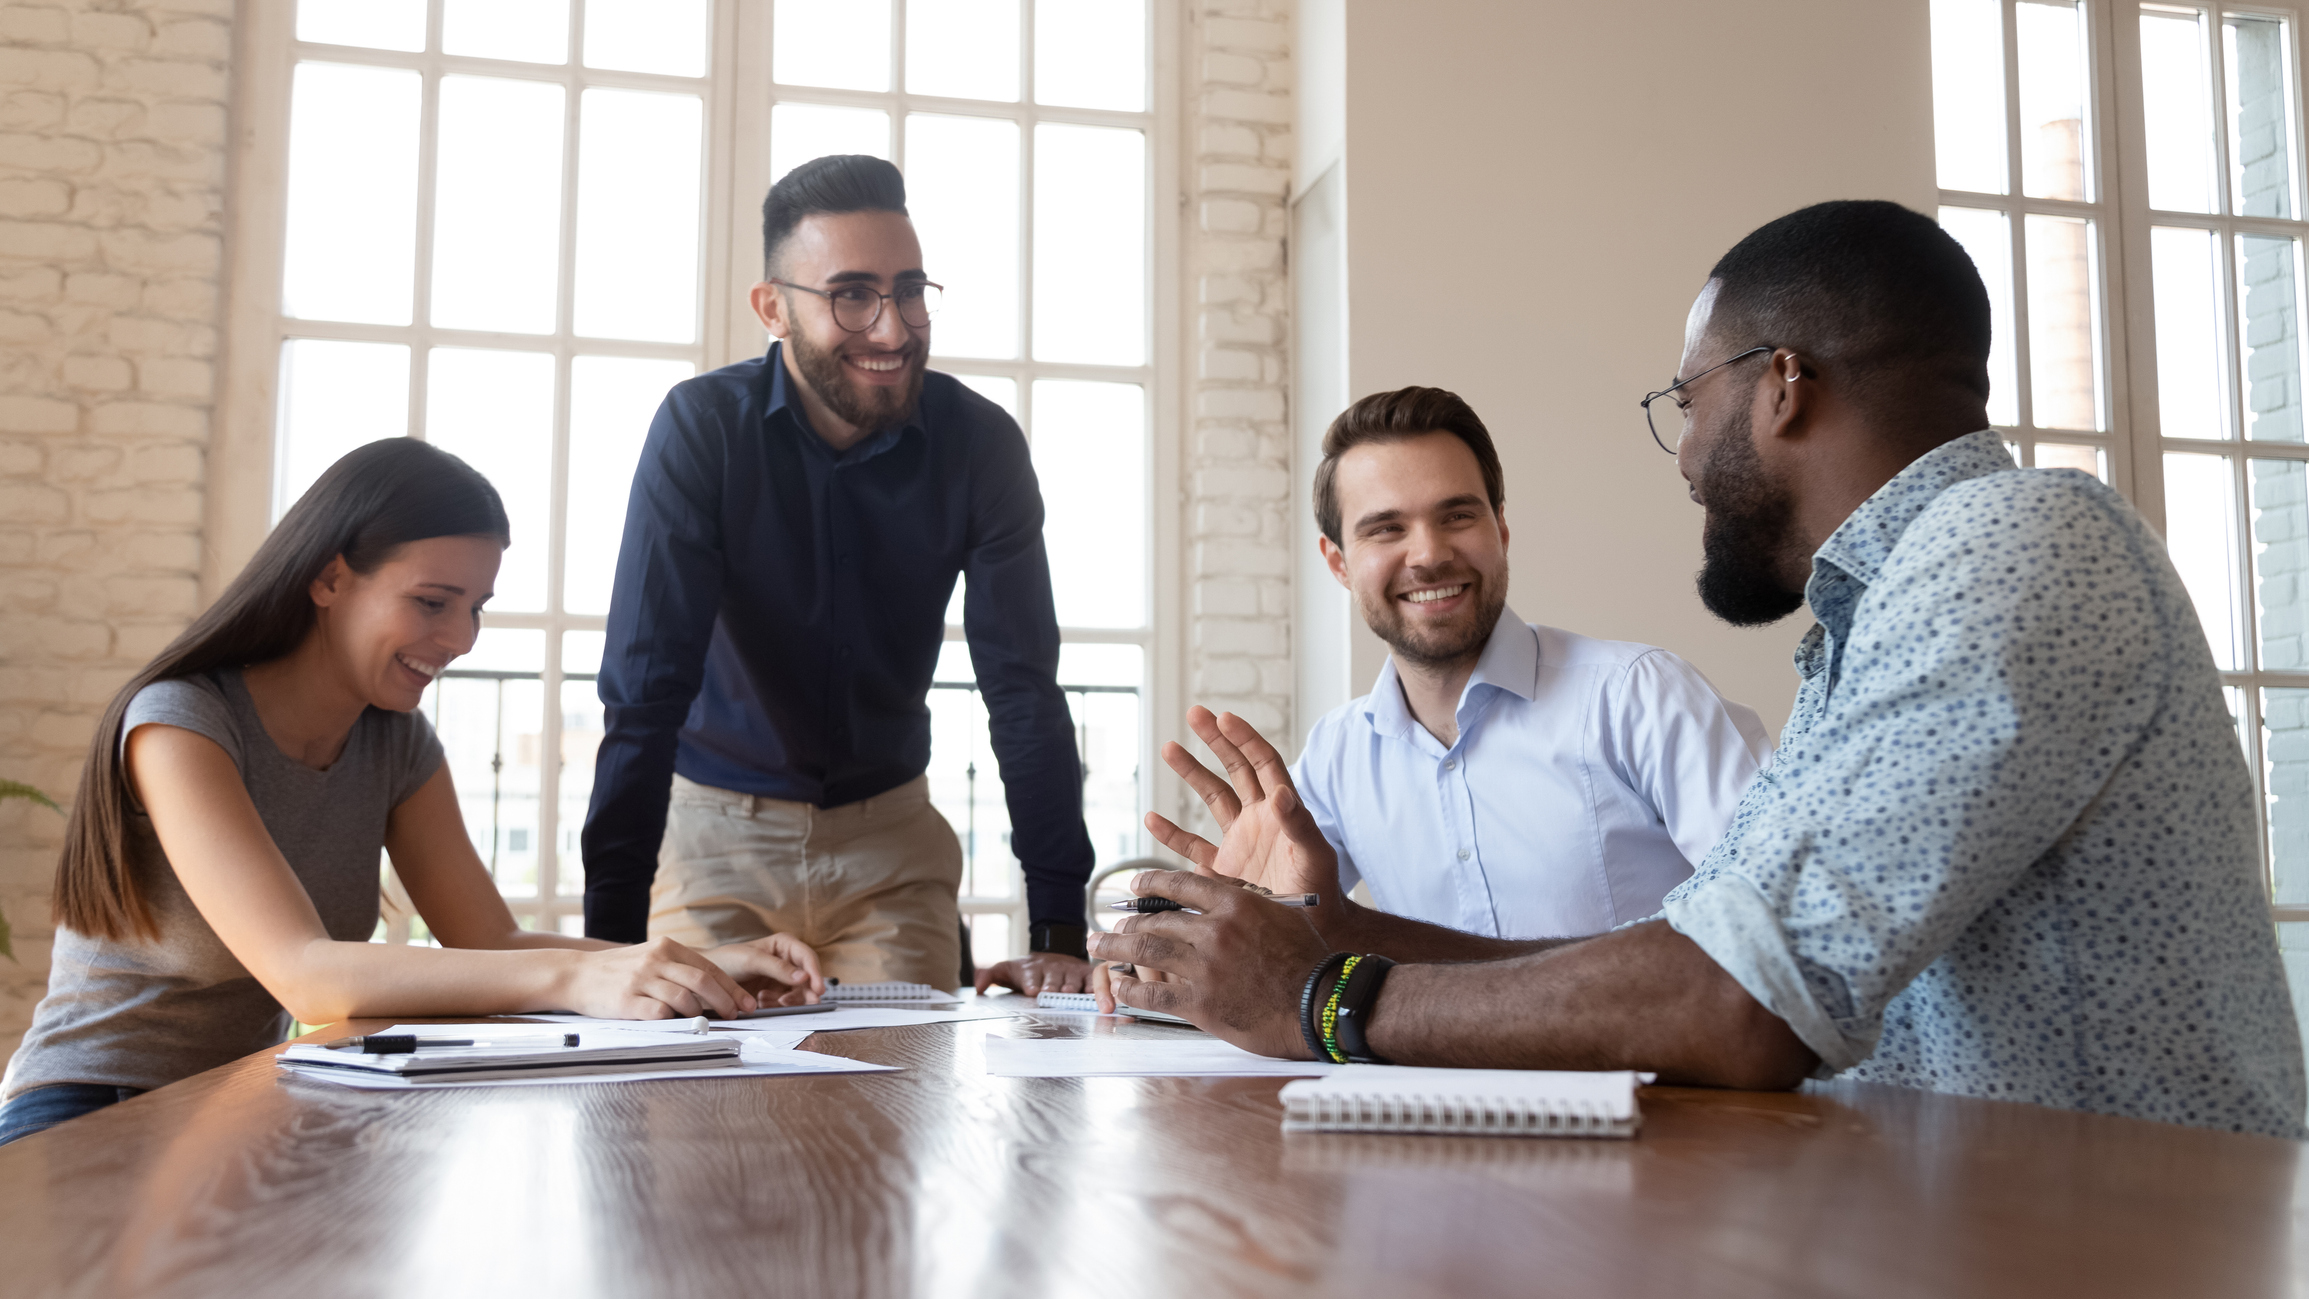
[870, 885]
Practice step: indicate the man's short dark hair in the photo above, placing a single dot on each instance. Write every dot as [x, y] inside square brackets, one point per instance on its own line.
[1396, 417]
[836, 183]
[1864, 287]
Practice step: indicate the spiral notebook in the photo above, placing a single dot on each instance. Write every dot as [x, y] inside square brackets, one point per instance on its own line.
[1465, 1102]
[1086, 1003]
[889, 991]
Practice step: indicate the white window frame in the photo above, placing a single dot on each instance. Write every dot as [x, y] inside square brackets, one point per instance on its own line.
[2113, 378]
[736, 175]
[2127, 320]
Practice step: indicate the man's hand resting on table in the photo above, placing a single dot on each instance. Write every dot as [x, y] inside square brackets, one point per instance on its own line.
[1037, 973]
[1235, 970]
[780, 970]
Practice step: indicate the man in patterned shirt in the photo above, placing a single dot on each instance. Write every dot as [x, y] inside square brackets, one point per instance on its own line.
[2007, 847]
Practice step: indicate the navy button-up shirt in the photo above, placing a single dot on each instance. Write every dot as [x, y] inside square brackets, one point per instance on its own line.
[778, 611]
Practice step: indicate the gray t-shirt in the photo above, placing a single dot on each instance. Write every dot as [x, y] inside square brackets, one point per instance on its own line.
[135, 1013]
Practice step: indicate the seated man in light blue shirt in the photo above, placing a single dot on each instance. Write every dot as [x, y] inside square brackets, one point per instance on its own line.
[1501, 778]
[2007, 847]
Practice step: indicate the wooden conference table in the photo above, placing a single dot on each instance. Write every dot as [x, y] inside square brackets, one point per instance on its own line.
[940, 1180]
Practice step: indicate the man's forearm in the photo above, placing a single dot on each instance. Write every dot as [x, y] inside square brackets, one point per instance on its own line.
[1639, 998]
[1349, 927]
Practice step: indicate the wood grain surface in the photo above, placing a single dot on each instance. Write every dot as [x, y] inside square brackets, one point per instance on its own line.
[939, 1180]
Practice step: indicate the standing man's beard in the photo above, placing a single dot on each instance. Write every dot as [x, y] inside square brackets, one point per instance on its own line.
[1745, 533]
[1440, 647]
[870, 409]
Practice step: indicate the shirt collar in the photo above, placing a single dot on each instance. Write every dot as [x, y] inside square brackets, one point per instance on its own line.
[1510, 662]
[1862, 544]
[783, 398]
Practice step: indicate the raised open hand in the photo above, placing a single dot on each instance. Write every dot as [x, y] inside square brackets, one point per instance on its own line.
[1267, 837]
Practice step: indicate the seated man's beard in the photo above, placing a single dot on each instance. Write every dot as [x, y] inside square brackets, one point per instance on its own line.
[1745, 533]
[871, 409]
[1437, 647]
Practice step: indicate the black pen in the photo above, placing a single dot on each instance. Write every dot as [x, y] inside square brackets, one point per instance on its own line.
[1146, 905]
[406, 1043]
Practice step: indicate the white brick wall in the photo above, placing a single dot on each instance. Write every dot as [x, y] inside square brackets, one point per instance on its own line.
[1238, 453]
[112, 171]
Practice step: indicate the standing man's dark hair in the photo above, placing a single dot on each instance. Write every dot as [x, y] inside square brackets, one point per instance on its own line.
[1872, 290]
[1392, 417]
[834, 184]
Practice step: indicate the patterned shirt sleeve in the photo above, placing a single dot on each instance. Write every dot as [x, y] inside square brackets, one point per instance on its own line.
[1979, 695]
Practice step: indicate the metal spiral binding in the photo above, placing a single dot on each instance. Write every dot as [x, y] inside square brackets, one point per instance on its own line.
[1449, 1114]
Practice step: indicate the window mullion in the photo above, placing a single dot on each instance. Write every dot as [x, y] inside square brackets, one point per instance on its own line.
[421, 288]
[2015, 217]
[557, 490]
[1026, 156]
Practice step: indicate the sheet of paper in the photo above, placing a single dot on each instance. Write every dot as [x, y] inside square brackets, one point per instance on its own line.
[759, 1062]
[830, 1021]
[1134, 1057]
[849, 1017]
[772, 1033]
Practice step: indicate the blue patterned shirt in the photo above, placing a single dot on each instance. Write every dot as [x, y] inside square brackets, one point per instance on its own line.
[2008, 847]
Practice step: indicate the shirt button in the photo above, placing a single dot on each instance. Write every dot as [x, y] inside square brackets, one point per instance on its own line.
[1463, 854]
[1448, 765]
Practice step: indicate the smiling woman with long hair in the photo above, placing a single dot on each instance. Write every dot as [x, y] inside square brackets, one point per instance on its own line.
[220, 871]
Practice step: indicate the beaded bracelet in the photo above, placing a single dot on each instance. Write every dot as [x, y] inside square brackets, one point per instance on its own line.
[1309, 1031]
[1331, 1049]
[1358, 994]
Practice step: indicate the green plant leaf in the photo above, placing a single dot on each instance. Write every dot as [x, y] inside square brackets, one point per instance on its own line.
[18, 789]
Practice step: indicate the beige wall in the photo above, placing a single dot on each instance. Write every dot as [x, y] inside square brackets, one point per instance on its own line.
[1534, 193]
[112, 173]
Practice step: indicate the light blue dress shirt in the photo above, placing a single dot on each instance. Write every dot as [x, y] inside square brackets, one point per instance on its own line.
[2008, 847]
[1587, 778]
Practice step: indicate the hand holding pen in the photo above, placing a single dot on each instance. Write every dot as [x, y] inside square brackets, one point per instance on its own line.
[1145, 906]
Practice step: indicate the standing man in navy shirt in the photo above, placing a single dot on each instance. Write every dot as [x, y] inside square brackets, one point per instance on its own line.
[795, 530]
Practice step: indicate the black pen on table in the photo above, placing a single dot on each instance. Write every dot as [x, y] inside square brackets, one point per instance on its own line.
[405, 1043]
[1146, 905]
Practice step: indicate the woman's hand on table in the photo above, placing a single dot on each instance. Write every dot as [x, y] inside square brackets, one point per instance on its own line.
[659, 979]
[780, 970]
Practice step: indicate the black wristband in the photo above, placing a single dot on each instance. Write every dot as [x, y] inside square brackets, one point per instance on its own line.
[1311, 1003]
[1059, 937]
[1353, 1022]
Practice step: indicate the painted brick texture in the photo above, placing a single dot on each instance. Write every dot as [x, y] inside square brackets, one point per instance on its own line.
[1238, 452]
[112, 174]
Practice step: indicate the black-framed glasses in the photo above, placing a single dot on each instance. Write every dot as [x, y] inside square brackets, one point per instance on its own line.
[858, 306]
[1684, 408]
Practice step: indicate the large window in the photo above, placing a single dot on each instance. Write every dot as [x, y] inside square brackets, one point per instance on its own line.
[508, 226]
[2127, 175]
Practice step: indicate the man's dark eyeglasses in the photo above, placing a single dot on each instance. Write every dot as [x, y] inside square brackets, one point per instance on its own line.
[1683, 408]
[858, 306]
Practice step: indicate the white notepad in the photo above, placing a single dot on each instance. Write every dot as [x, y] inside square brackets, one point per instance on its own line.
[1465, 1102]
[1084, 1003]
[892, 991]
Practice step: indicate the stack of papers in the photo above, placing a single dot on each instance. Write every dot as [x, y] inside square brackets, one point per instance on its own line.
[503, 1053]
[753, 1055]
